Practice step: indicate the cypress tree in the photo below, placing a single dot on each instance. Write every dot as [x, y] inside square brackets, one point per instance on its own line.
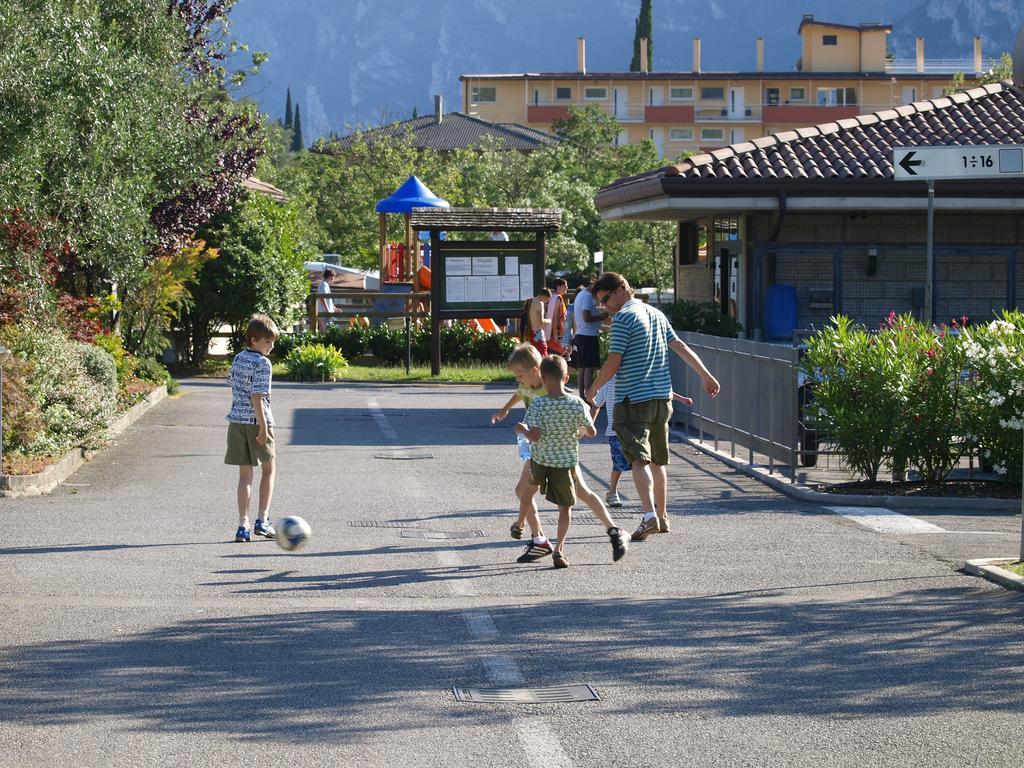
[288, 110]
[414, 115]
[644, 28]
[297, 143]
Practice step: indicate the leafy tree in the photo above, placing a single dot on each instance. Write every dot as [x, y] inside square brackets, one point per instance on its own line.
[643, 28]
[997, 72]
[261, 246]
[288, 110]
[118, 129]
[297, 143]
[160, 297]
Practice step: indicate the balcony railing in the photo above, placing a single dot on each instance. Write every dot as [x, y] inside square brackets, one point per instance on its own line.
[932, 66]
[775, 112]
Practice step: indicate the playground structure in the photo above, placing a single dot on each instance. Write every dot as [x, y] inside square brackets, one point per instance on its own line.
[401, 264]
[477, 282]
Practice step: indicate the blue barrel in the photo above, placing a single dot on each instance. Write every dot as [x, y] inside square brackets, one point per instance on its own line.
[780, 311]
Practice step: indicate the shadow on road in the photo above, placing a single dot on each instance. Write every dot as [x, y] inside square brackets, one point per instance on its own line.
[913, 653]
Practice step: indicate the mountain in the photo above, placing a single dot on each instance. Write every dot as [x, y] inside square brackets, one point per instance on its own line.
[363, 62]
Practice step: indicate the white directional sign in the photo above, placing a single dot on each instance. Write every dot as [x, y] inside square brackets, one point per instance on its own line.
[980, 161]
[598, 257]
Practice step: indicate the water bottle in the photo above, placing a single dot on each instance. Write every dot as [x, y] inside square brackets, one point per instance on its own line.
[524, 447]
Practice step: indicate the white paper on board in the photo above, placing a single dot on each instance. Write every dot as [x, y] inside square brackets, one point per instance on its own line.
[458, 265]
[510, 287]
[525, 281]
[474, 289]
[485, 265]
[455, 290]
[512, 265]
[492, 288]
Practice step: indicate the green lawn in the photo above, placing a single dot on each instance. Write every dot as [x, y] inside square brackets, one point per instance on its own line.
[475, 373]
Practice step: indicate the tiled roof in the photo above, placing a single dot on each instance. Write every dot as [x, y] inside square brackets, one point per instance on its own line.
[456, 131]
[488, 219]
[859, 148]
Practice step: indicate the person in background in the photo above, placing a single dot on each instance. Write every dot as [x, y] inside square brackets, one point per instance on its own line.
[498, 235]
[557, 313]
[537, 324]
[325, 304]
[588, 317]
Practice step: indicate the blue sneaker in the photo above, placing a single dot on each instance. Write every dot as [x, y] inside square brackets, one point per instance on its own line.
[263, 528]
[242, 534]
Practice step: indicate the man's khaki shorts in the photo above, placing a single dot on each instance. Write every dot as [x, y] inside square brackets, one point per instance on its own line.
[643, 430]
[242, 447]
[556, 483]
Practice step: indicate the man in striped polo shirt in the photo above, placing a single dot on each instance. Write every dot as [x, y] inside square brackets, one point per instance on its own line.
[641, 337]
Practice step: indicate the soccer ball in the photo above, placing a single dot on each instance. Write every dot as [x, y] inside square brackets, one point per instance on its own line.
[292, 533]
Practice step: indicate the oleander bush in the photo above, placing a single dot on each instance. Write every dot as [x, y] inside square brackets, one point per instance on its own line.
[915, 396]
[315, 362]
[994, 392]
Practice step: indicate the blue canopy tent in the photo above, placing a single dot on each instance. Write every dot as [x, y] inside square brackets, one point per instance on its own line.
[412, 194]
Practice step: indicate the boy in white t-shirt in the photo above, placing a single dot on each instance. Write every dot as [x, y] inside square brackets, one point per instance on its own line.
[606, 397]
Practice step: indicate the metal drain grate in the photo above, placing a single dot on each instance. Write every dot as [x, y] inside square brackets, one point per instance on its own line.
[553, 695]
[380, 524]
[442, 534]
[586, 518]
[404, 454]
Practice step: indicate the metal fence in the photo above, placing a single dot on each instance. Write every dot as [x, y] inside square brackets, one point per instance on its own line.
[757, 410]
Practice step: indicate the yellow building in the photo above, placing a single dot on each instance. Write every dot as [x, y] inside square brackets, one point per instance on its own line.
[843, 71]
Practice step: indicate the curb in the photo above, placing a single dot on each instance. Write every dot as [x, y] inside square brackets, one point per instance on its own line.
[16, 486]
[803, 493]
[988, 568]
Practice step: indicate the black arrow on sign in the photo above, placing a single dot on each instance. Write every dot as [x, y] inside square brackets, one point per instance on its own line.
[908, 164]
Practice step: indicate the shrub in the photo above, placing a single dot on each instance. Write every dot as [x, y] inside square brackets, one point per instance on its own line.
[994, 392]
[350, 340]
[494, 347]
[458, 343]
[154, 372]
[860, 392]
[75, 409]
[100, 366]
[315, 362]
[125, 363]
[386, 345]
[23, 420]
[701, 317]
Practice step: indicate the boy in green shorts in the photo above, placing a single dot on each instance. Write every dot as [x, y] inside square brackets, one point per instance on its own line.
[553, 425]
[251, 425]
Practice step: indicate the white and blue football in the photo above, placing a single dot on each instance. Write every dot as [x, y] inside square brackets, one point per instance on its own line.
[292, 533]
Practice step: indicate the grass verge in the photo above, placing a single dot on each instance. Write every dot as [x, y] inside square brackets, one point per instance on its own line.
[471, 373]
[1017, 568]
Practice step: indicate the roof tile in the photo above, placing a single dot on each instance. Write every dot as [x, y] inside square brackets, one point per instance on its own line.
[861, 147]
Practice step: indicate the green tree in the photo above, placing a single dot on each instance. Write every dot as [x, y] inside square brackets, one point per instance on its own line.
[997, 72]
[297, 143]
[118, 130]
[644, 28]
[288, 109]
[261, 246]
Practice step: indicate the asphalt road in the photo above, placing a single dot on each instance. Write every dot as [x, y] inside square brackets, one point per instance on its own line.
[760, 632]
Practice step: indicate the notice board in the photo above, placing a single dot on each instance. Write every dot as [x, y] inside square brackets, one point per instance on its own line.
[487, 280]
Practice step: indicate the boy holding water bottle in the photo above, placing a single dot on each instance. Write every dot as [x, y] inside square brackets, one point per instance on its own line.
[524, 362]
